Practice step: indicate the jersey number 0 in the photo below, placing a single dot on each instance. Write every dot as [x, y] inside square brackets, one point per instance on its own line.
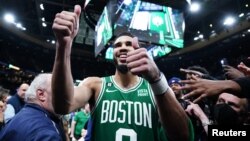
[125, 132]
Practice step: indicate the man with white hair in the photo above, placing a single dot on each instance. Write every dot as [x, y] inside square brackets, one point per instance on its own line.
[37, 120]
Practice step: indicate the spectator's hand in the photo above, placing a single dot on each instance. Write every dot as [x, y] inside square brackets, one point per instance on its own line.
[139, 63]
[66, 25]
[231, 72]
[192, 72]
[201, 88]
[195, 110]
[243, 68]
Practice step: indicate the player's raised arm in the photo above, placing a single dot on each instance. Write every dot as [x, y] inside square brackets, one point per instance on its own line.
[65, 27]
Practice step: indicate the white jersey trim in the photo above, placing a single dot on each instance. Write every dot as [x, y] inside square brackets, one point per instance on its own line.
[126, 90]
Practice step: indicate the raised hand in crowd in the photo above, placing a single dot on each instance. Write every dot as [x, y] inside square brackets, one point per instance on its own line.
[195, 110]
[231, 72]
[201, 88]
[245, 69]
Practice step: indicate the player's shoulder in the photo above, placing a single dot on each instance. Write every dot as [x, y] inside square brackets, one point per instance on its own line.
[91, 81]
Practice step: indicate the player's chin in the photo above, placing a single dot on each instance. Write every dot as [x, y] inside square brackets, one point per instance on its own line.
[121, 61]
[122, 64]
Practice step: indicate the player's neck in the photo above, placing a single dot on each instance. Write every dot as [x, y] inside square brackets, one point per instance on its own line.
[127, 80]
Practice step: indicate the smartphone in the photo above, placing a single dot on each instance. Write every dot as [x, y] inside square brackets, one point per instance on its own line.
[224, 62]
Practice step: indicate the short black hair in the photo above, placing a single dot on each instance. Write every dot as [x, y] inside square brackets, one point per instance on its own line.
[124, 34]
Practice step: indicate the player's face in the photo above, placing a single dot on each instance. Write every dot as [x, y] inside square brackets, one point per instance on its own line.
[122, 46]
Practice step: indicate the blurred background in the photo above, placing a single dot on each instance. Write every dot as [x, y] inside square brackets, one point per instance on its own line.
[193, 32]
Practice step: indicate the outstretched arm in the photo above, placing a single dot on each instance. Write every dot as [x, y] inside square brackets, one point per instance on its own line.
[195, 110]
[65, 98]
[202, 88]
[173, 117]
[65, 28]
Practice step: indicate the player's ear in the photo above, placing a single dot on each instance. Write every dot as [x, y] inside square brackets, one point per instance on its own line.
[135, 43]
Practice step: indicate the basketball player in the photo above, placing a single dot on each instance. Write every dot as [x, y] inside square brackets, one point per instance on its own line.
[124, 105]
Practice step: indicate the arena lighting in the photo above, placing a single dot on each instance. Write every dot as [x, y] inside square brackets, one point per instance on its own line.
[44, 24]
[196, 38]
[213, 33]
[194, 7]
[43, 19]
[127, 2]
[201, 36]
[41, 7]
[86, 3]
[8, 17]
[13, 67]
[229, 21]
[19, 25]
[241, 15]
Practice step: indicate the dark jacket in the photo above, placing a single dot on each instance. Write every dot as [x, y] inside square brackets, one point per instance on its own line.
[33, 123]
[244, 83]
[16, 102]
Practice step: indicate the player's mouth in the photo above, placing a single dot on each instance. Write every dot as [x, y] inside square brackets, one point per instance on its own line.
[123, 57]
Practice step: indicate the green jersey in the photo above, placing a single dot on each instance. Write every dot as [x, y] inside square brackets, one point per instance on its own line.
[125, 115]
[80, 118]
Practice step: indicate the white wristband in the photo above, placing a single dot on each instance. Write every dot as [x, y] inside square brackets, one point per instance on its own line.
[160, 87]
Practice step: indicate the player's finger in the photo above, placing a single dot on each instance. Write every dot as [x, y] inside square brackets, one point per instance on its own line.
[135, 43]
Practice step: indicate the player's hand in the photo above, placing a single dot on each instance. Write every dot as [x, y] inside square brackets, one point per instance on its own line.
[139, 63]
[66, 25]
